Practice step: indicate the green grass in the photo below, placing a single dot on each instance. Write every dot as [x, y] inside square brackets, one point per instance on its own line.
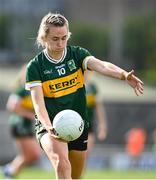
[33, 173]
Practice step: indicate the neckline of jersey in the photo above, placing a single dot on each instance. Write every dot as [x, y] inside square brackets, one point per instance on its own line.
[54, 60]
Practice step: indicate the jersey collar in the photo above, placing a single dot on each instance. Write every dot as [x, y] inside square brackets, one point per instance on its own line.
[54, 60]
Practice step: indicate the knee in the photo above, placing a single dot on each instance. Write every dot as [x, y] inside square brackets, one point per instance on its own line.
[60, 164]
[63, 165]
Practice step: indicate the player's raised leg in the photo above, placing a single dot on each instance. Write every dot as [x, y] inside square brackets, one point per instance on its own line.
[57, 152]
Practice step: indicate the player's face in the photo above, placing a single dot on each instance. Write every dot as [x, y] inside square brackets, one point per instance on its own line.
[57, 38]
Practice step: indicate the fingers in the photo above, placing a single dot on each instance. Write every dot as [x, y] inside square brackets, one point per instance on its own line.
[132, 76]
[55, 135]
[139, 89]
[53, 132]
[138, 80]
[135, 82]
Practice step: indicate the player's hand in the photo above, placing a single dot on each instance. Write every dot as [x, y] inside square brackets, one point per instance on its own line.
[134, 82]
[101, 133]
[55, 135]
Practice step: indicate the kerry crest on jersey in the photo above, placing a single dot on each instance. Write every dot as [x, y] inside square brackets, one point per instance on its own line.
[71, 64]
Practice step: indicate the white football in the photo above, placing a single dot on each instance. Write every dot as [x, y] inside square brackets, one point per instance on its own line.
[68, 125]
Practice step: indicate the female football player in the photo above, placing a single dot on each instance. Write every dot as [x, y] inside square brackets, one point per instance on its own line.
[55, 79]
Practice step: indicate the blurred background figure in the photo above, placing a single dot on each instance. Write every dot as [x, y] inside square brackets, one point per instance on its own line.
[22, 128]
[154, 141]
[96, 113]
[135, 144]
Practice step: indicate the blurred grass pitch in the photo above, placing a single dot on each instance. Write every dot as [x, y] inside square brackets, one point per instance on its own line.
[36, 173]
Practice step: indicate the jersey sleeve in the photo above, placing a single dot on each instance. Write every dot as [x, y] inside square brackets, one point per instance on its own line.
[83, 54]
[33, 77]
[17, 95]
[20, 91]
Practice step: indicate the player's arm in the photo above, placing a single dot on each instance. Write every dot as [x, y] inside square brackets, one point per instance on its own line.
[40, 109]
[101, 119]
[109, 69]
[14, 105]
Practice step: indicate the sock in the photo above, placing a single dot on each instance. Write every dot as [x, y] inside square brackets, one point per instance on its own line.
[8, 170]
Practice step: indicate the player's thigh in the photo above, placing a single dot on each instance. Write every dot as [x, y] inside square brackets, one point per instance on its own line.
[55, 149]
[78, 162]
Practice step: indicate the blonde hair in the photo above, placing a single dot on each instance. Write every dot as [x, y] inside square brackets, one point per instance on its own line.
[47, 21]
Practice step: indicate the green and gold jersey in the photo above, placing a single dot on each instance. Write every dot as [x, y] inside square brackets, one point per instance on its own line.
[62, 81]
[22, 95]
[25, 98]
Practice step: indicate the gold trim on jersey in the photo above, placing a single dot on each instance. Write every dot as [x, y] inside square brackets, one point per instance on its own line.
[63, 86]
[26, 102]
[90, 99]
